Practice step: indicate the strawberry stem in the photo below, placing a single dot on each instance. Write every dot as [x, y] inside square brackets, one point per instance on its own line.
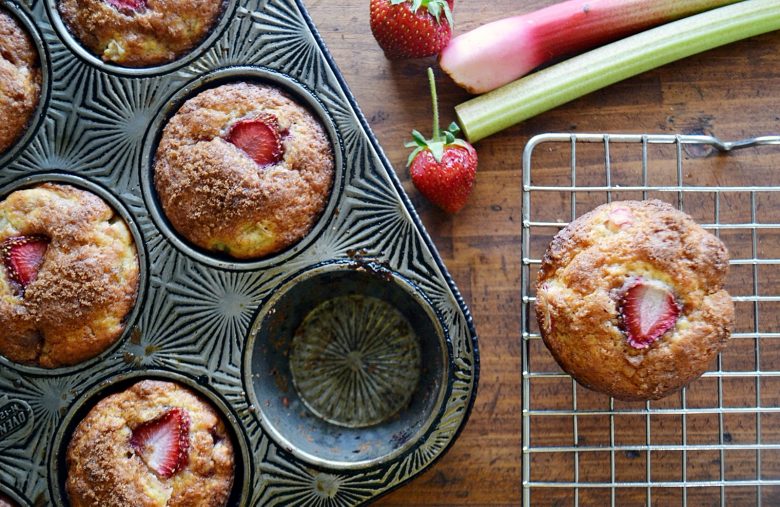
[435, 101]
[440, 140]
[433, 7]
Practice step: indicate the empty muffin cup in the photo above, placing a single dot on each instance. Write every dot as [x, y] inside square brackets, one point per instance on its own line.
[355, 360]
[348, 366]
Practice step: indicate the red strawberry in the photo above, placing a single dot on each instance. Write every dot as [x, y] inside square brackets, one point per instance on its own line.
[127, 5]
[259, 138]
[164, 443]
[648, 310]
[443, 168]
[22, 257]
[411, 28]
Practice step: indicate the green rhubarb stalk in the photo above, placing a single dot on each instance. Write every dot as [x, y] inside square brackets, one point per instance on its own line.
[539, 92]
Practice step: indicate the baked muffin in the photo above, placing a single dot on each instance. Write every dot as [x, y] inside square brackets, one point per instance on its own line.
[630, 302]
[139, 33]
[155, 444]
[69, 275]
[20, 80]
[243, 169]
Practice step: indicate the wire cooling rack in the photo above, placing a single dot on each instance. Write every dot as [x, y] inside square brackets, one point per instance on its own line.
[716, 442]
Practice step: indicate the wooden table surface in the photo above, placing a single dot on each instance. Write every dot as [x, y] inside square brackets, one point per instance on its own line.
[731, 92]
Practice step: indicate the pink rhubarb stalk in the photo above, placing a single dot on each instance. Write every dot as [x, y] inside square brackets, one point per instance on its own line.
[500, 52]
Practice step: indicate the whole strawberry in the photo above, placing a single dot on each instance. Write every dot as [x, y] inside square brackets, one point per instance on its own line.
[442, 168]
[411, 28]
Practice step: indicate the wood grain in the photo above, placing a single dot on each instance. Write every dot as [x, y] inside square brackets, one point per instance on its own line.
[731, 92]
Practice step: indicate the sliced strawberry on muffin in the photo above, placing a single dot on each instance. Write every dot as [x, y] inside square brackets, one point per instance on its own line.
[648, 310]
[259, 138]
[127, 6]
[164, 443]
[22, 258]
[154, 444]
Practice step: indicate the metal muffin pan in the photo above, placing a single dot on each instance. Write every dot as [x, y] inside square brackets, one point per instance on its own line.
[284, 413]
[224, 327]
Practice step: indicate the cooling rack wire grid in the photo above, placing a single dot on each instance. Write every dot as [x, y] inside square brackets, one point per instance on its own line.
[717, 442]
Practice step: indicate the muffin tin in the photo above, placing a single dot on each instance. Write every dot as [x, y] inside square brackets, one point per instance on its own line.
[226, 328]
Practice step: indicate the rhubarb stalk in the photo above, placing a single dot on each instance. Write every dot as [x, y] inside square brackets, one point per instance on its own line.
[580, 75]
[500, 52]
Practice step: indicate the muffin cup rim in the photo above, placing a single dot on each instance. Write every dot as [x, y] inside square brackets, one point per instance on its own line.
[226, 75]
[449, 368]
[113, 382]
[82, 53]
[132, 316]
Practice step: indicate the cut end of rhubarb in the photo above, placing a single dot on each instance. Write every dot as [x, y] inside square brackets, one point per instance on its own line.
[487, 57]
[22, 258]
[259, 138]
[164, 443]
[648, 310]
[127, 5]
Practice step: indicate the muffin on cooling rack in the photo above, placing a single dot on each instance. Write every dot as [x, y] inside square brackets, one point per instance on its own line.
[630, 302]
[154, 444]
[69, 275]
[20, 80]
[243, 169]
[140, 33]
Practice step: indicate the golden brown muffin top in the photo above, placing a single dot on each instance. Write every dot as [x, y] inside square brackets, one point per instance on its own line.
[85, 287]
[20, 80]
[105, 470]
[659, 235]
[138, 33]
[218, 197]
[583, 277]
